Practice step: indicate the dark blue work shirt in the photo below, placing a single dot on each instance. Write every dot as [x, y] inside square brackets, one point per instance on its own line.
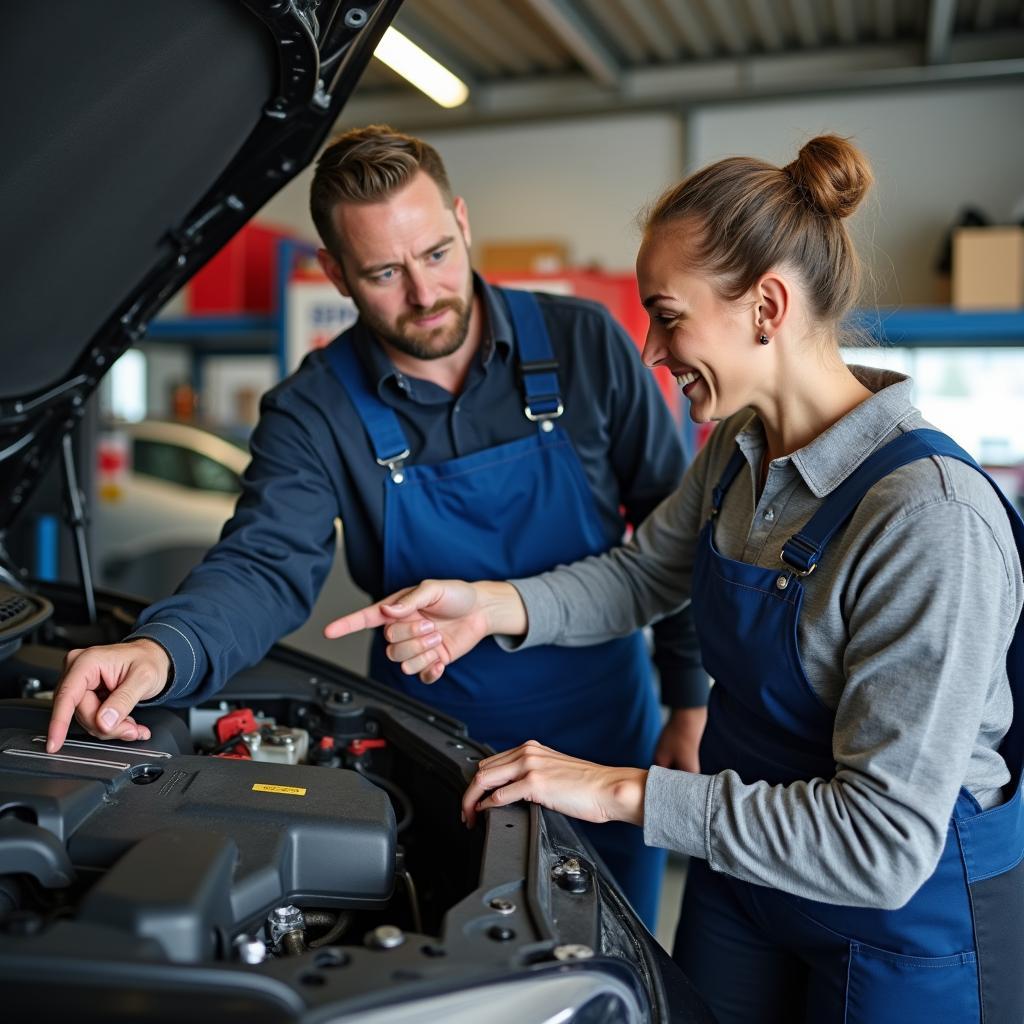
[312, 462]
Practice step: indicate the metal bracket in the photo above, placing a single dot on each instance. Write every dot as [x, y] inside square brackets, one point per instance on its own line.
[395, 464]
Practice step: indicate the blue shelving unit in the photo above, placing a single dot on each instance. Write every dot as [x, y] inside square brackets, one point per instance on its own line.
[941, 326]
[186, 327]
[241, 335]
[920, 326]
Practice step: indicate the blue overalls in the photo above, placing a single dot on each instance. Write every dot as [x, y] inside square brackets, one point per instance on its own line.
[510, 511]
[955, 952]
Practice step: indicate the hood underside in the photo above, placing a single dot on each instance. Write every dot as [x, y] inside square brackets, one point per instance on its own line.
[142, 138]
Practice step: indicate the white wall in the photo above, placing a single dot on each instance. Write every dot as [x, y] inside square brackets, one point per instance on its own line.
[933, 152]
[583, 181]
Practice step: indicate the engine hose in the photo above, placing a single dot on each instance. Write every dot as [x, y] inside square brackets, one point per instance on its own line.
[320, 918]
[337, 930]
[414, 902]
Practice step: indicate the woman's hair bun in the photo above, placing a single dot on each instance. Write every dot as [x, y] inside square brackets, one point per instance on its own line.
[832, 174]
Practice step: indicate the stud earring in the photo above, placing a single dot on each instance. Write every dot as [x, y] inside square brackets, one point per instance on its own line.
[763, 339]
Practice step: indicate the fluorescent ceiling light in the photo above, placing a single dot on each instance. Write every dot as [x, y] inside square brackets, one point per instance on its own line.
[403, 56]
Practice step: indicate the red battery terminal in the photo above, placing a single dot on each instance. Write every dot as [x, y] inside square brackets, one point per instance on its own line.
[233, 726]
[359, 747]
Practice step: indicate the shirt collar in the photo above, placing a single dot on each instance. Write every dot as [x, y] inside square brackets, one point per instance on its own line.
[498, 338]
[832, 456]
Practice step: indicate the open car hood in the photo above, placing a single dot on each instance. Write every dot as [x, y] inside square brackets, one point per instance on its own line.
[138, 139]
[290, 850]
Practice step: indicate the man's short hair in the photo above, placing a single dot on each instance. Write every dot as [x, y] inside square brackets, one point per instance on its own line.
[366, 165]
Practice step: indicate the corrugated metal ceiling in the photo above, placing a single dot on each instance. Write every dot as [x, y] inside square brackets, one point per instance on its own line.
[527, 59]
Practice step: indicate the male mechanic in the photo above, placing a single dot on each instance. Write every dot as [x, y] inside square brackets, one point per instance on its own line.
[457, 429]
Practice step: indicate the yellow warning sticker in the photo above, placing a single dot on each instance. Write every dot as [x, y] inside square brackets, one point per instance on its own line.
[262, 787]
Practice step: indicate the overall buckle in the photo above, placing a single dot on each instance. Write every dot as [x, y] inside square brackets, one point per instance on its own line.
[804, 552]
[394, 464]
[544, 418]
[797, 571]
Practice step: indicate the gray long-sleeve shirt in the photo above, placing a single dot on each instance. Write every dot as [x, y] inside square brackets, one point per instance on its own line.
[904, 632]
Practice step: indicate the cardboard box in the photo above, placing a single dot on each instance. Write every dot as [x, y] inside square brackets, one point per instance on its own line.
[543, 256]
[988, 268]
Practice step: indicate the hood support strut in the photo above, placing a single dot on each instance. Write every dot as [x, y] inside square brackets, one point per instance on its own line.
[77, 520]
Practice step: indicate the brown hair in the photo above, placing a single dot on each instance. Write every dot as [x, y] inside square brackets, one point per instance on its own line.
[751, 216]
[366, 165]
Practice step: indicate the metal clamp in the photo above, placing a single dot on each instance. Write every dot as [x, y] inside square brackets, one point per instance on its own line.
[797, 571]
[395, 464]
[544, 418]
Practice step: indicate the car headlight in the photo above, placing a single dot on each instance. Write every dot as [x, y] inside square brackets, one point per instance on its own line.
[565, 996]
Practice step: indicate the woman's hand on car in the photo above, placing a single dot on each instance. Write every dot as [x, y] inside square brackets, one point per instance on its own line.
[101, 686]
[431, 625]
[540, 775]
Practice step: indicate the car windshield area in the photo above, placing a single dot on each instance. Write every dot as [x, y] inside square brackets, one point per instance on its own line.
[175, 464]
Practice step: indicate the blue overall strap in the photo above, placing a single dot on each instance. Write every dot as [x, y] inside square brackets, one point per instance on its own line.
[538, 367]
[732, 468]
[802, 551]
[379, 421]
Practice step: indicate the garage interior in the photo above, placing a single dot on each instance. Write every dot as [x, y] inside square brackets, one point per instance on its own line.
[578, 114]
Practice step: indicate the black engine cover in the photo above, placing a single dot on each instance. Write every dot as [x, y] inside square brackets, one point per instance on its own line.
[227, 840]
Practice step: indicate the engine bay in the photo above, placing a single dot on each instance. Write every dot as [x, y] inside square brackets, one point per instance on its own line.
[295, 842]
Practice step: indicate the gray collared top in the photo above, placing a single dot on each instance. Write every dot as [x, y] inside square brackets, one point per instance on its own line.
[904, 632]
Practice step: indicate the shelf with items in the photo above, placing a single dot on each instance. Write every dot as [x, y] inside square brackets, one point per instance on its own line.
[207, 346]
[294, 310]
[271, 333]
[253, 331]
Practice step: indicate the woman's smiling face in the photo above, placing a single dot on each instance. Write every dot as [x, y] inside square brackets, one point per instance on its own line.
[707, 342]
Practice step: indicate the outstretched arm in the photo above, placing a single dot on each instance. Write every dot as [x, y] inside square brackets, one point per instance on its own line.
[430, 625]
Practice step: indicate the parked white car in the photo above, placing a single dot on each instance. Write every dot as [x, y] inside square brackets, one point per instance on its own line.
[164, 508]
